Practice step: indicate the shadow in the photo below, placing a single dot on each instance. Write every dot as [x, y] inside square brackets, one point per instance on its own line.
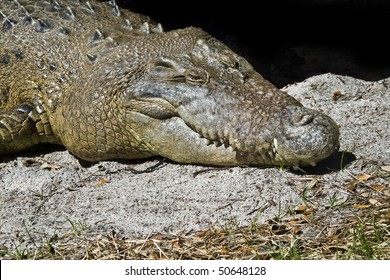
[283, 53]
[42, 149]
[87, 164]
[336, 162]
[35, 151]
[84, 163]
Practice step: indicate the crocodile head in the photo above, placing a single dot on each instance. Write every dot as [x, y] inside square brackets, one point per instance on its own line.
[186, 96]
[200, 102]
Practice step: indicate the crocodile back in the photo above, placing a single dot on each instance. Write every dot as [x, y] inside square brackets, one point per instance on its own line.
[47, 45]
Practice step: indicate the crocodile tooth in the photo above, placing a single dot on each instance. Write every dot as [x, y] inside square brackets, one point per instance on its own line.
[275, 145]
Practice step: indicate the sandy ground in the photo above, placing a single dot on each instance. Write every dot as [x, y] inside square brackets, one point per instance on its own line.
[43, 192]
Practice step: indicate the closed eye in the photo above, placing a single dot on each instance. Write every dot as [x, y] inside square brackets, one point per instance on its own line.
[165, 63]
[197, 76]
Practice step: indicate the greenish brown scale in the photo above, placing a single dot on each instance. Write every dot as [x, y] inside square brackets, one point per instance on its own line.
[109, 84]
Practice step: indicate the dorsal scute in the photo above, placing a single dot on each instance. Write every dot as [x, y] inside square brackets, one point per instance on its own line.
[89, 8]
[96, 37]
[115, 9]
[45, 15]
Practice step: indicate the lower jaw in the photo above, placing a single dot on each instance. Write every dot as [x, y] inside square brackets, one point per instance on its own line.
[259, 159]
[270, 159]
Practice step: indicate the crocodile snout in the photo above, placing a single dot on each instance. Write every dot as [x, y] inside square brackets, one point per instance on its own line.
[306, 136]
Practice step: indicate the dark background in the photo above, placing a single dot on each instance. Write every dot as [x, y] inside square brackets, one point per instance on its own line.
[288, 41]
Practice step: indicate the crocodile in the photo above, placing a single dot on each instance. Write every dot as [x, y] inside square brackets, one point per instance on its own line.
[110, 84]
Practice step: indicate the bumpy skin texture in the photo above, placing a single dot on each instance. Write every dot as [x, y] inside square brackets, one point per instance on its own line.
[110, 84]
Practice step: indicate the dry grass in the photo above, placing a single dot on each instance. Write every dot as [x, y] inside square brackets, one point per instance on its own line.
[304, 237]
[358, 228]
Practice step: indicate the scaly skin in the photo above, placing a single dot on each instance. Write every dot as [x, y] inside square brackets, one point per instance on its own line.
[109, 84]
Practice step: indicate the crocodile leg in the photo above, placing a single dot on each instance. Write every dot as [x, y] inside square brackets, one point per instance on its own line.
[24, 126]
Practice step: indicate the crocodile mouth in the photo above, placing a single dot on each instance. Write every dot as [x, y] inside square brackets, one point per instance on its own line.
[280, 136]
[303, 138]
[268, 156]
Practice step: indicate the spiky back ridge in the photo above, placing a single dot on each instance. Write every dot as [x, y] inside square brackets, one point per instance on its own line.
[49, 43]
[58, 59]
[46, 15]
[42, 23]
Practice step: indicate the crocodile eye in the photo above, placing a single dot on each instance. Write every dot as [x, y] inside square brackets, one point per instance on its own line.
[197, 76]
[166, 69]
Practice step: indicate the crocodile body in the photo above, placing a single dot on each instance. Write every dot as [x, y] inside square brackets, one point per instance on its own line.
[110, 84]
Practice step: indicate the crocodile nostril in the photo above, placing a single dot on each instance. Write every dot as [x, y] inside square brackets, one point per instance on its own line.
[302, 119]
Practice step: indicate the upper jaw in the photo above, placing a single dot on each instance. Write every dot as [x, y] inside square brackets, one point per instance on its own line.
[306, 137]
[267, 155]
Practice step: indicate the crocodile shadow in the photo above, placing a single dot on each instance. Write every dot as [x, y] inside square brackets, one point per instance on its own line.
[35, 151]
[336, 162]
